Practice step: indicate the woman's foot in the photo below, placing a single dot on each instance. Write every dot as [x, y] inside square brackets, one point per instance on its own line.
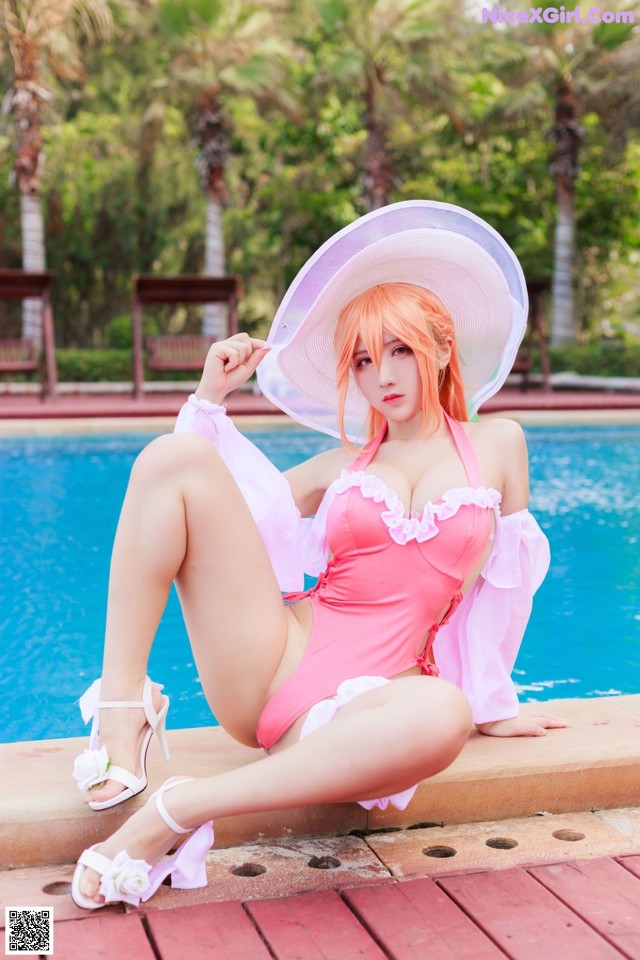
[123, 734]
[121, 731]
[138, 846]
[144, 836]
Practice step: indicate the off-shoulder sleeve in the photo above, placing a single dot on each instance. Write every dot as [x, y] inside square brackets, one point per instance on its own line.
[295, 545]
[477, 649]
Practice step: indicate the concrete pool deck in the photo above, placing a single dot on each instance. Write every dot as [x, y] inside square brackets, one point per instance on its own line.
[593, 764]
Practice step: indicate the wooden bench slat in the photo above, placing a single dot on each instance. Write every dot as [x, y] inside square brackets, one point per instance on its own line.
[183, 352]
[211, 931]
[23, 284]
[415, 918]
[312, 926]
[523, 918]
[107, 934]
[185, 288]
[631, 863]
[603, 893]
[17, 355]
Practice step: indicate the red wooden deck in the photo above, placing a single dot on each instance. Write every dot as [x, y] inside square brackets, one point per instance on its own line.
[583, 910]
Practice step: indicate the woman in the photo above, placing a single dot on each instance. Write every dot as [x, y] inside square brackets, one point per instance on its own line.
[339, 684]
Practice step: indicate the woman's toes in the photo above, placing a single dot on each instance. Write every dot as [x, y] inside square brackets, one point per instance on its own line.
[89, 885]
[107, 791]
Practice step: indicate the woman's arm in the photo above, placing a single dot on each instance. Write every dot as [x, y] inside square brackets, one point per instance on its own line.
[229, 364]
[477, 650]
[295, 545]
[511, 442]
[310, 480]
[510, 450]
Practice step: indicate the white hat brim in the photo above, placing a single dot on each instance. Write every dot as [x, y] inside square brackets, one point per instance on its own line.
[472, 270]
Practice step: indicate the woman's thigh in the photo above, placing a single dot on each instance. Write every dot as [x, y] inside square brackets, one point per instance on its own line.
[410, 728]
[237, 624]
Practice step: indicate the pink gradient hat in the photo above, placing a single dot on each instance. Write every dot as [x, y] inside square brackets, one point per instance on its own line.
[442, 247]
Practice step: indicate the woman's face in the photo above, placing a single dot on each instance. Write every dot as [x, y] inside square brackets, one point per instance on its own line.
[394, 388]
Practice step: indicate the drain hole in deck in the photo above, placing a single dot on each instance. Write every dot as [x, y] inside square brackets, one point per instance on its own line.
[248, 870]
[324, 863]
[568, 835]
[439, 852]
[501, 843]
[59, 888]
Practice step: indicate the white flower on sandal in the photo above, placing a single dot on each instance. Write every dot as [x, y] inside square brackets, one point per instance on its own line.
[125, 880]
[90, 768]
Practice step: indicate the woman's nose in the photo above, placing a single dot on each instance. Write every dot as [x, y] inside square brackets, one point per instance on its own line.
[385, 372]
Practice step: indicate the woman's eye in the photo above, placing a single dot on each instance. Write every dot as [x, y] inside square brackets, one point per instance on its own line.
[402, 350]
[363, 361]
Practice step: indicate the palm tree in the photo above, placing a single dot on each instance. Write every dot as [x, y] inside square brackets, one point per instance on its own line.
[221, 49]
[43, 40]
[570, 68]
[389, 49]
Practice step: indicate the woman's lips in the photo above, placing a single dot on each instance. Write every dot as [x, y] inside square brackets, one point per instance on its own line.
[390, 397]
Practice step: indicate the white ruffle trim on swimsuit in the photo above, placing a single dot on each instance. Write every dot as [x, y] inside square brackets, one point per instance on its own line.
[323, 712]
[403, 528]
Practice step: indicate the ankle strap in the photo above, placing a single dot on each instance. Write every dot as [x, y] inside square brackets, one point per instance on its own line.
[119, 703]
[91, 704]
[164, 813]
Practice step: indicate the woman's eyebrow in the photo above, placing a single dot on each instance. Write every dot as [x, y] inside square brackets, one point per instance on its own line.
[386, 343]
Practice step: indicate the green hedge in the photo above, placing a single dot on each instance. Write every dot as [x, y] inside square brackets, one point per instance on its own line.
[108, 366]
[87, 366]
[113, 365]
[605, 359]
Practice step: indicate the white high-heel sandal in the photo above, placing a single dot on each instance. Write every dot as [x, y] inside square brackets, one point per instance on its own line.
[93, 766]
[124, 880]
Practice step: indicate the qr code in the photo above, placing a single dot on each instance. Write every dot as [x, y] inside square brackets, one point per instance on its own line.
[28, 930]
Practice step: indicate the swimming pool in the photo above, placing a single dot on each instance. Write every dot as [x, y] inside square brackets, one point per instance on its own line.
[59, 505]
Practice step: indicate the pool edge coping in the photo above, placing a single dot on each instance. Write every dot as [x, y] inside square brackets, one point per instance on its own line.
[592, 764]
[162, 424]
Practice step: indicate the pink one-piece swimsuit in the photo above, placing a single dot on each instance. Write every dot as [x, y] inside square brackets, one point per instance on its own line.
[390, 579]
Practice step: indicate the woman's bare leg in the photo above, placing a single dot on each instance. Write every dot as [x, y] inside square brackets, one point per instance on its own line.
[383, 741]
[185, 519]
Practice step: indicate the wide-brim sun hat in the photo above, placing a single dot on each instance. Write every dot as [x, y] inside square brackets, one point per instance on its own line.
[442, 247]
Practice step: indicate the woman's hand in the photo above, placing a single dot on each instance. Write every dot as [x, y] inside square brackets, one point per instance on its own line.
[228, 365]
[535, 725]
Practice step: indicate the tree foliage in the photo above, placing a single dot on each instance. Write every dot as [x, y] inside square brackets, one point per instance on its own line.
[121, 186]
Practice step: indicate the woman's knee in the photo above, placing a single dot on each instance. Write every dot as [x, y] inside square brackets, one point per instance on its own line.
[172, 453]
[455, 726]
[443, 720]
[457, 705]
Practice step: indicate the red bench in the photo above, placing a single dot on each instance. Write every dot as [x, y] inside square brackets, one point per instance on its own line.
[537, 290]
[178, 352]
[19, 355]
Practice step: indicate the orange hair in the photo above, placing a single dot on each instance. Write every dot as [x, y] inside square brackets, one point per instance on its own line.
[419, 319]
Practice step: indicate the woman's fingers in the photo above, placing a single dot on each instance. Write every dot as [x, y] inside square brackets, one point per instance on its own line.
[526, 726]
[229, 364]
[244, 354]
[547, 721]
[237, 349]
[256, 357]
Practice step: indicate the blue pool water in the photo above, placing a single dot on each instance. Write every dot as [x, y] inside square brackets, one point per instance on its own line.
[59, 505]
